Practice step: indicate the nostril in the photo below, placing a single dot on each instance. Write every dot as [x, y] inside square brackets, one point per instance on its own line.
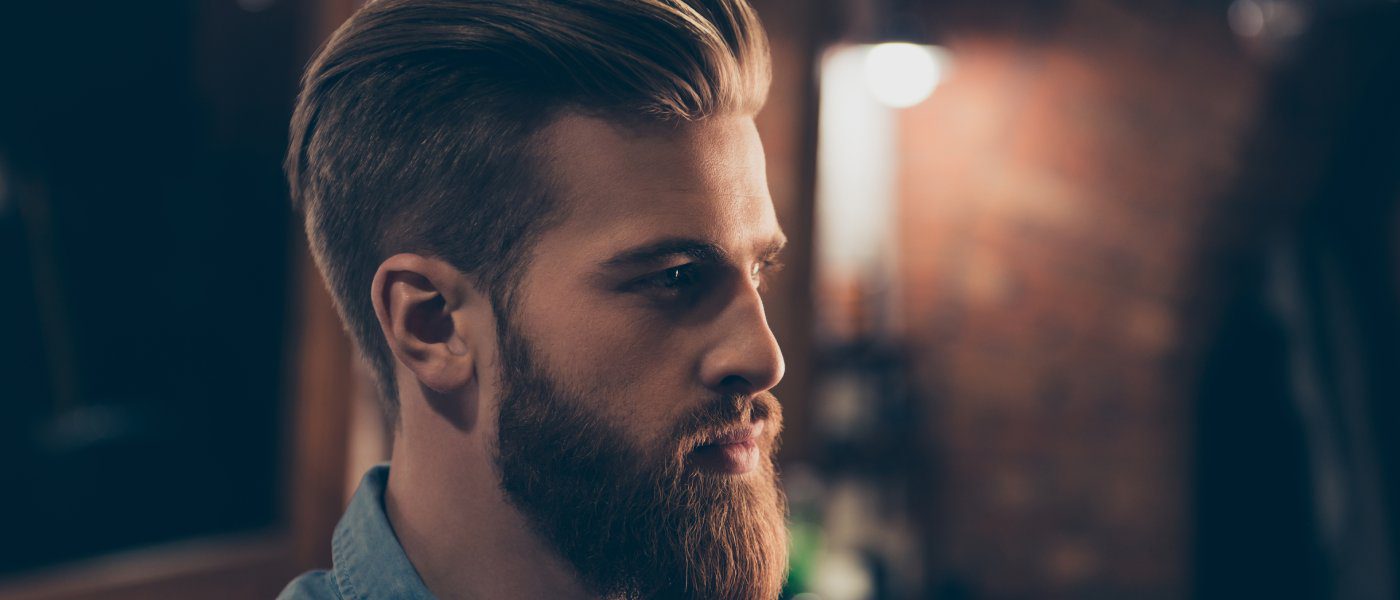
[735, 384]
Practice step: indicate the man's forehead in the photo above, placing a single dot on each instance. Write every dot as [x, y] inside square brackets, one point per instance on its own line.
[624, 185]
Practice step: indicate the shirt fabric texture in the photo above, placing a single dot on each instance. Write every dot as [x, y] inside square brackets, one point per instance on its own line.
[367, 561]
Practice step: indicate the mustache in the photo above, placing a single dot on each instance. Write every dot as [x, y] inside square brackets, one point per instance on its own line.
[727, 414]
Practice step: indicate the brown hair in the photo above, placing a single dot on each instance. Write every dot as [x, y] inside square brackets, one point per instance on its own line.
[414, 130]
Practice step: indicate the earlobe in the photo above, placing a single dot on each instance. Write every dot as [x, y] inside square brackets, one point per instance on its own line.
[417, 301]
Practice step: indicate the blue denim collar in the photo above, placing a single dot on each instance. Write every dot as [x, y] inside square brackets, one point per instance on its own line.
[368, 560]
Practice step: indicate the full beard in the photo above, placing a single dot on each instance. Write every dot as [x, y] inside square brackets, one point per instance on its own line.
[636, 523]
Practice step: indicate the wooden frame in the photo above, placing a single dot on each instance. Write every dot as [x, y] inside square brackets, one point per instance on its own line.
[255, 564]
[320, 385]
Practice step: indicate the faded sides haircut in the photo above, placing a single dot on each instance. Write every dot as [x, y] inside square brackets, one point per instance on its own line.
[418, 125]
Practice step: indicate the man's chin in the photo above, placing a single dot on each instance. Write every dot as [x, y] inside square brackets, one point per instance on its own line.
[632, 523]
[695, 534]
[734, 545]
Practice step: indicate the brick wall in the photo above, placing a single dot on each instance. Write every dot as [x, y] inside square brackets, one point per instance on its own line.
[1052, 193]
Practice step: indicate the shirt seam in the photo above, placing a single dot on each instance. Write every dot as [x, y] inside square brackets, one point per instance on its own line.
[345, 587]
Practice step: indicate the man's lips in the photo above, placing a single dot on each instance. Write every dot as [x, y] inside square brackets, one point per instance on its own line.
[739, 435]
[733, 451]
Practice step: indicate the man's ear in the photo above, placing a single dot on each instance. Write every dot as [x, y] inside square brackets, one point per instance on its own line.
[417, 300]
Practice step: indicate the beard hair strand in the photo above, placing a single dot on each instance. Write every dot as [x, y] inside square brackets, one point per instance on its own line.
[633, 523]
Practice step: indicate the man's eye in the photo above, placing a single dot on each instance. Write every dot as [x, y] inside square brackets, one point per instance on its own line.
[762, 271]
[674, 278]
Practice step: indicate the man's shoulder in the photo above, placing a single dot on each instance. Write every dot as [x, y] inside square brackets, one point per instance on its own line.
[313, 585]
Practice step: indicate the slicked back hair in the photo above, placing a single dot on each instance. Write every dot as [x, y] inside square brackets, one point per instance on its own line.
[416, 127]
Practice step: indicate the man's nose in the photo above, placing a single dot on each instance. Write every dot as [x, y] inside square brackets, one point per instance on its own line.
[744, 357]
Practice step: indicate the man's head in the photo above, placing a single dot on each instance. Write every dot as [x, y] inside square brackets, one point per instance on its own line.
[418, 125]
[555, 213]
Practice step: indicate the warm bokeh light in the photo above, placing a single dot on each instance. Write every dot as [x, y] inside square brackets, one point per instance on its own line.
[901, 74]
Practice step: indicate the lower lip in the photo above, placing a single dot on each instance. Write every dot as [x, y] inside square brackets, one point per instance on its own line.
[731, 459]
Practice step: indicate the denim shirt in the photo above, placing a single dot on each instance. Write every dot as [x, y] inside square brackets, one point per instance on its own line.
[366, 558]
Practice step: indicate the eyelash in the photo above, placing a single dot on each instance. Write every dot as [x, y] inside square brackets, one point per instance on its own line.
[765, 270]
[681, 278]
[664, 279]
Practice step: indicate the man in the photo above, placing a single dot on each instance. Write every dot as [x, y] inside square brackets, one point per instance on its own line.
[546, 223]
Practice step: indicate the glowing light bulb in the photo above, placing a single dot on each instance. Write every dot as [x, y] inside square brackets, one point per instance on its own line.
[900, 74]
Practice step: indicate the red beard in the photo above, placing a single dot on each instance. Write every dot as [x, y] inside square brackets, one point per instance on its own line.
[635, 523]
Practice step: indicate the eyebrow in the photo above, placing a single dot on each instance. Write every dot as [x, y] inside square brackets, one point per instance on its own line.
[699, 250]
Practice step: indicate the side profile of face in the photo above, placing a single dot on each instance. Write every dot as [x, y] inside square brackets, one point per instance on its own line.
[635, 429]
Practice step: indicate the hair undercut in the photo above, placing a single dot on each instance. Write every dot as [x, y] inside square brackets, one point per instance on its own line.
[416, 126]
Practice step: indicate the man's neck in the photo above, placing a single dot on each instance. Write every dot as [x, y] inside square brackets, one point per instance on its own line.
[454, 523]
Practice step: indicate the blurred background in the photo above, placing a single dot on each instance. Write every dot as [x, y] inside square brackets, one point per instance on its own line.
[1086, 299]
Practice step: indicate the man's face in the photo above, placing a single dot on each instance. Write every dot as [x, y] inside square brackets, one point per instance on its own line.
[635, 427]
